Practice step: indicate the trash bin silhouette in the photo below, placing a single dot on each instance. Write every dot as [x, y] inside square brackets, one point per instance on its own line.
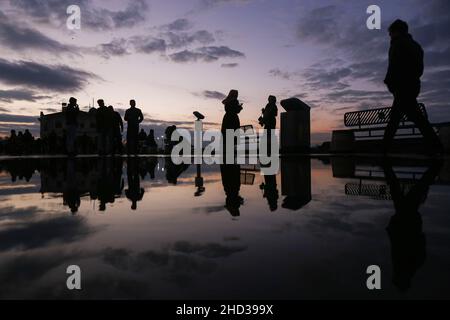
[295, 126]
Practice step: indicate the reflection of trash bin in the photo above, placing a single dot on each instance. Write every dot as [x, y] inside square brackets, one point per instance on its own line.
[295, 126]
[296, 182]
[444, 135]
[343, 167]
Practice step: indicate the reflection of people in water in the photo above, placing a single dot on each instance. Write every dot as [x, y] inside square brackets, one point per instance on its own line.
[151, 164]
[173, 171]
[20, 169]
[405, 227]
[270, 190]
[231, 181]
[71, 194]
[106, 183]
[134, 192]
[117, 176]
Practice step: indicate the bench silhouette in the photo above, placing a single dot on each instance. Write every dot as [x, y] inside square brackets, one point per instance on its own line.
[371, 121]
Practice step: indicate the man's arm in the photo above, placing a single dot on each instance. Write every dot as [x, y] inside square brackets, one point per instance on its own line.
[141, 116]
[392, 75]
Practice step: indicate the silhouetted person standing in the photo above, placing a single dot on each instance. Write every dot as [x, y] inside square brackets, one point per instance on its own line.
[117, 130]
[133, 116]
[142, 135]
[269, 120]
[12, 143]
[408, 245]
[231, 118]
[104, 127]
[403, 81]
[28, 141]
[151, 142]
[72, 112]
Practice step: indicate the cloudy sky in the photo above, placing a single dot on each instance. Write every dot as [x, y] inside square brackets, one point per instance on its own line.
[175, 57]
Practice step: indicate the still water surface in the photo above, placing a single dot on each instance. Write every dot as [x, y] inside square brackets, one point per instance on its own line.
[145, 228]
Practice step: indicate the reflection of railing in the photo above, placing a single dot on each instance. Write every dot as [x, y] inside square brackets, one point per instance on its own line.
[375, 191]
[249, 138]
[247, 178]
[374, 117]
[377, 174]
[370, 124]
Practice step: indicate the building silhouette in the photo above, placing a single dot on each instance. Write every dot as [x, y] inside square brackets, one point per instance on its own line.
[55, 123]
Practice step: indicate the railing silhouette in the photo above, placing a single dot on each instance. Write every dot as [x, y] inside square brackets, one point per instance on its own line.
[373, 121]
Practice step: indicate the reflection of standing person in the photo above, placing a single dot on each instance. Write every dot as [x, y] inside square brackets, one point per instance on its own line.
[270, 190]
[134, 192]
[134, 117]
[72, 112]
[231, 181]
[71, 195]
[403, 81]
[231, 118]
[106, 188]
[408, 246]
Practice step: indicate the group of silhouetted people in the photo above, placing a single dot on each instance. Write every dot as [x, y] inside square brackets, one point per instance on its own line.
[22, 143]
[109, 126]
[233, 107]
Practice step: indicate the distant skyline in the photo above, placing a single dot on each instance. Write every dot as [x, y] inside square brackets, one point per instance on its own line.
[176, 57]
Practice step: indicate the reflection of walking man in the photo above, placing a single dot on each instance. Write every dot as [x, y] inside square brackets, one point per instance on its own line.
[408, 245]
[134, 117]
[403, 81]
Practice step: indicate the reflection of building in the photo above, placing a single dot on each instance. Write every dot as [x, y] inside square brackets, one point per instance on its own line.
[296, 182]
[57, 122]
[57, 182]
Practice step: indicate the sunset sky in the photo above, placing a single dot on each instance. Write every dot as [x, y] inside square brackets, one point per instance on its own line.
[175, 57]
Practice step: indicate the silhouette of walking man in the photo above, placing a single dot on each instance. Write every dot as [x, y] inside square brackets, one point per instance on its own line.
[72, 112]
[133, 116]
[403, 81]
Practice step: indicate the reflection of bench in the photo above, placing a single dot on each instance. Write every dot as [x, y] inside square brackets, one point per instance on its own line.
[369, 125]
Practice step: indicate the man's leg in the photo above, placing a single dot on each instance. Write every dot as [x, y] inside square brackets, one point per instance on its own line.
[431, 139]
[391, 129]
